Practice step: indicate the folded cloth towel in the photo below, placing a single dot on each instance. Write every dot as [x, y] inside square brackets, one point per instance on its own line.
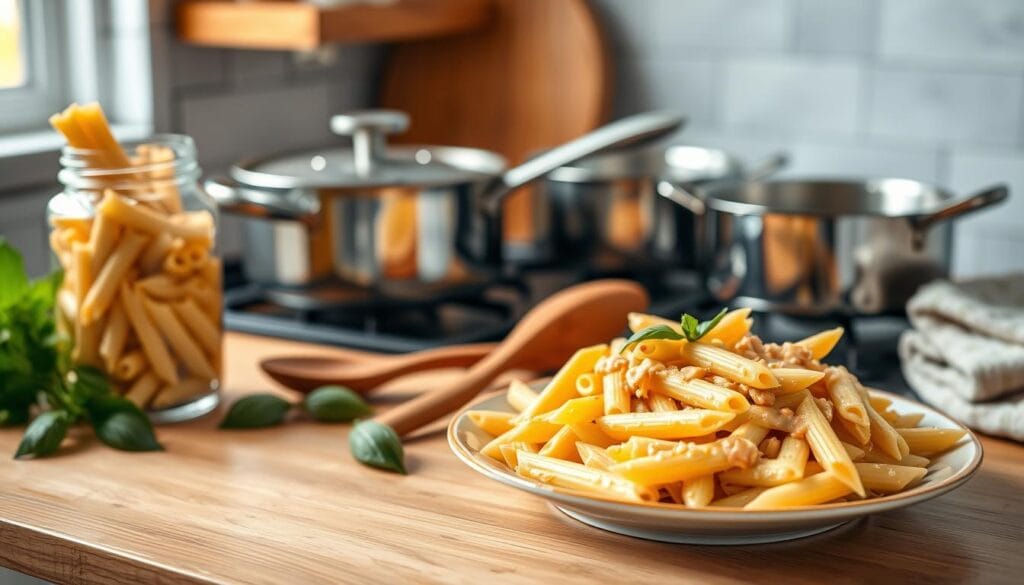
[965, 354]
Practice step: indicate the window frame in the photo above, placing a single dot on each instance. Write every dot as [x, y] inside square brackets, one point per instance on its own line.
[26, 107]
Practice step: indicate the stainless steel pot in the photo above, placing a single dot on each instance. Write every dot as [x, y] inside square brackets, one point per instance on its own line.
[814, 247]
[375, 214]
[606, 208]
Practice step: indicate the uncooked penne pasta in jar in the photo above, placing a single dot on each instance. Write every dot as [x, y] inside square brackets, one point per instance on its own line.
[135, 236]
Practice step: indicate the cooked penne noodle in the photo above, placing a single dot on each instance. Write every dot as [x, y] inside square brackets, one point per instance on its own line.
[929, 440]
[816, 489]
[562, 445]
[847, 400]
[880, 402]
[795, 379]
[205, 332]
[141, 391]
[882, 434]
[822, 344]
[794, 452]
[104, 288]
[115, 335]
[661, 403]
[861, 434]
[579, 477]
[640, 321]
[587, 384]
[855, 452]
[699, 491]
[874, 455]
[790, 401]
[698, 392]
[659, 350]
[679, 424]
[153, 345]
[491, 422]
[826, 447]
[576, 410]
[674, 491]
[589, 432]
[728, 365]
[640, 447]
[178, 338]
[617, 397]
[766, 473]
[880, 477]
[750, 431]
[130, 365]
[688, 461]
[529, 431]
[771, 418]
[562, 386]
[733, 326]
[907, 421]
[739, 499]
[594, 457]
[509, 452]
[520, 395]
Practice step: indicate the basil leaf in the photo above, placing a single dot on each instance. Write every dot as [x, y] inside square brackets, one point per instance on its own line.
[90, 382]
[689, 324]
[706, 326]
[13, 280]
[653, 332]
[335, 404]
[256, 411]
[377, 445]
[121, 425]
[44, 435]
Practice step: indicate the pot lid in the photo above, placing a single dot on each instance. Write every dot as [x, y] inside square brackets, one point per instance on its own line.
[369, 162]
[682, 163]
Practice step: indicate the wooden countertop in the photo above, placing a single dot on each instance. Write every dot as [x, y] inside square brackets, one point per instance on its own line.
[288, 505]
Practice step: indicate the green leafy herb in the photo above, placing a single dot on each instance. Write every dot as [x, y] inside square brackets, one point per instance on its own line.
[36, 368]
[121, 425]
[691, 328]
[377, 445]
[44, 435]
[694, 329]
[335, 404]
[256, 411]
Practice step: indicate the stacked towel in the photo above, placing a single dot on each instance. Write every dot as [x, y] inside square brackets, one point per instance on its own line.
[965, 354]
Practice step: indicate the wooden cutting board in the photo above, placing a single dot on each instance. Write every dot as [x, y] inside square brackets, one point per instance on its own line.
[538, 74]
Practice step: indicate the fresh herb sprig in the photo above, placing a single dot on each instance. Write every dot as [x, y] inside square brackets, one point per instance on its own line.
[36, 368]
[690, 329]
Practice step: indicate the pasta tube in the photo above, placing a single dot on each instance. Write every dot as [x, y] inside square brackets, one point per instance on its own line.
[880, 477]
[130, 365]
[816, 489]
[662, 403]
[844, 395]
[826, 447]
[821, 344]
[733, 326]
[589, 432]
[206, 333]
[520, 395]
[929, 440]
[679, 424]
[509, 452]
[698, 392]
[491, 422]
[587, 384]
[174, 395]
[562, 445]
[640, 321]
[689, 461]
[530, 431]
[146, 220]
[728, 365]
[141, 392]
[594, 457]
[179, 340]
[152, 344]
[739, 499]
[579, 477]
[563, 386]
[103, 290]
[617, 398]
[576, 410]
[795, 379]
[699, 491]
[115, 335]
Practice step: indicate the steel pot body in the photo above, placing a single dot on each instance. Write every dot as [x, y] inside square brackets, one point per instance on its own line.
[377, 215]
[608, 211]
[819, 247]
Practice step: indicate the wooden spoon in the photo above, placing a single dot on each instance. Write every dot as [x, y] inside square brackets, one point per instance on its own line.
[579, 316]
[305, 373]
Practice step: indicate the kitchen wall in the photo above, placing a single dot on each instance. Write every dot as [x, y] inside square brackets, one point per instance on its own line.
[925, 89]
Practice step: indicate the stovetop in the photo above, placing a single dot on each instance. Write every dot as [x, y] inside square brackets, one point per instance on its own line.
[416, 318]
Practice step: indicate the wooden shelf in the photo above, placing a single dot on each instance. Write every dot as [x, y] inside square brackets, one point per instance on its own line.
[296, 25]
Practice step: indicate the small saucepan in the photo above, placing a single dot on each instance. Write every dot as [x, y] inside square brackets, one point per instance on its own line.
[811, 247]
[606, 209]
[375, 214]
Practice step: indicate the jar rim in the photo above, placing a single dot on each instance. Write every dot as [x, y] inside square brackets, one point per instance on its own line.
[79, 170]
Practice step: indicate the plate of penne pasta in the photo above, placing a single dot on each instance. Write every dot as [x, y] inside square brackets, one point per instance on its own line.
[702, 433]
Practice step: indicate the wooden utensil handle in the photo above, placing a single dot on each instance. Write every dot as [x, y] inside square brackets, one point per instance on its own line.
[455, 356]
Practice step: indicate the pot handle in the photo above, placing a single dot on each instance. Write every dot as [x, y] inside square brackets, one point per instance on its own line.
[954, 209]
[768, 167]
[227, 193]
[682, 197]
[628, 131]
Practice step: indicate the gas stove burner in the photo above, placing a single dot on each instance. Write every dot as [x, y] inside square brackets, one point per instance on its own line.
[339, 296]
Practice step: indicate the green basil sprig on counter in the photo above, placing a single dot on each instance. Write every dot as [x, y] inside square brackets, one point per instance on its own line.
[36, 368]
[325, 404]
[691, 327]
[377, 445]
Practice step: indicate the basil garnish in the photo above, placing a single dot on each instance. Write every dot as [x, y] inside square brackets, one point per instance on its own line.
[692, 330]
[335, 404]
[256, 411]
[44, 435]
[377, 445]
[121, 425]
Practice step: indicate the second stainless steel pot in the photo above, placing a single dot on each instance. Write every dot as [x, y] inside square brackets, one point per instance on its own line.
[817, 246]
[606, 209]
[374, 214]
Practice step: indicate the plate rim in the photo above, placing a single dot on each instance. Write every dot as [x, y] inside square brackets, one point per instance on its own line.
[653, 509]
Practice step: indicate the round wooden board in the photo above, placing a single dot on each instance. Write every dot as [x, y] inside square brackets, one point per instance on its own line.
[536, 75]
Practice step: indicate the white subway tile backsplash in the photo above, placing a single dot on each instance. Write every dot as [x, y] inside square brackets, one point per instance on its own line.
[982, 254]
[750, 149]
[836, 26]
[815, 159]
[230, 126]
[723, 24]
[198, 66]
[792, 97]
[941, 107]
[684, 85]
[980, 32]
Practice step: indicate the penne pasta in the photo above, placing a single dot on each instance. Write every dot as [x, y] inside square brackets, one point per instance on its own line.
[875, 456]
[907, 421]
[882, 434]
[661, 403]
[659, 350]
[594, 457]
[509, 452]
[562, 386]
[576, 410]
[591, 433]
[490, 421]
[694, 422]
[153, 345]
[699, 491]
[129, 366]
[141, 391]
[640, 447]
[847, 400]
[728, 365]
[855, 452]
[750, 431]
[697, 392]
[617, 397]
[816, 489]
[187, 389]
[178, 338]
[929, 440]
[588, 385]
[822, 344]
[103, 236]
[733, 326]
[104, 288]
[143, 219]
[206, 333]
[795, 379]
[562, 445]
[886, 479]
[688, 461]
[579, 477]
[640, 321]
[530, 431]
[520, 395]
[739, 499]
[115, 336]
[153, 257]
[827, 449]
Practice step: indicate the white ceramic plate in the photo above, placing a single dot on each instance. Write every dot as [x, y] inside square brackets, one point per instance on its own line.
[720, 526]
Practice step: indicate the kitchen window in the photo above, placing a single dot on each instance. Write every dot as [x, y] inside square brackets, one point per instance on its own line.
[31, 69]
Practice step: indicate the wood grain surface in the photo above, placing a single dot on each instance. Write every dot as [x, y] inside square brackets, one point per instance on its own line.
[288, 505]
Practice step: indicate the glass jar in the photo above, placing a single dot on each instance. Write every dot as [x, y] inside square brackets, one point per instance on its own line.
[142, 293]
